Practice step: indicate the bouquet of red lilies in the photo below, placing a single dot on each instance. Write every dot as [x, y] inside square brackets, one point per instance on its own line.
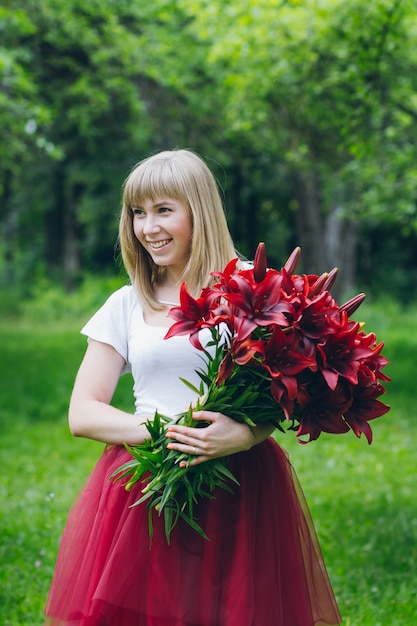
[282, 352]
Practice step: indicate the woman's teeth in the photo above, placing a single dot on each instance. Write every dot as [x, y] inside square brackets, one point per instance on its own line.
[159, 244]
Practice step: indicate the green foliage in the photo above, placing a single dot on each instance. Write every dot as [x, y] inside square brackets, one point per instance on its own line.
[48, 301]
[395, 272]
[19, 95]
[326, 86]
[301, 107]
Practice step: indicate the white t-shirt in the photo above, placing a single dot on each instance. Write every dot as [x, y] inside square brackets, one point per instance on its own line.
[156, 363]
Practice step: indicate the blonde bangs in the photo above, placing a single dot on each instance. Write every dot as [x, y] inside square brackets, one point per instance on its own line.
[155, 178]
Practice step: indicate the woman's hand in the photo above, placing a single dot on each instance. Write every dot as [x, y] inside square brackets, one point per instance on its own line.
[222, 437]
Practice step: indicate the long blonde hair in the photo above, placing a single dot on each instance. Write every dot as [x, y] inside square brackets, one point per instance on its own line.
[182, 175]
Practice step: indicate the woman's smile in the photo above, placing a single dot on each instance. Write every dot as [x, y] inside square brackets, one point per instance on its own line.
[157, 245]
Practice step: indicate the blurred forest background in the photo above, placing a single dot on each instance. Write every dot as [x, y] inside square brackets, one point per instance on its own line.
[305, 110]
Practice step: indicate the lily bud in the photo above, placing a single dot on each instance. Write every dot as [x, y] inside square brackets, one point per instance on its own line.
[260, 263]
[354, 303]
[317, 286]
[331, 279]
[292, 260]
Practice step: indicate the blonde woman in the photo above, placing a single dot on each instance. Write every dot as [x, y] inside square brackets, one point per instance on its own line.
[262, 564]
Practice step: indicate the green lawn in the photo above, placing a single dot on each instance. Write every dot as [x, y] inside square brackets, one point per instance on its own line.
[361, 497]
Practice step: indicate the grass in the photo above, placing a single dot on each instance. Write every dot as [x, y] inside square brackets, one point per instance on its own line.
[361, 497]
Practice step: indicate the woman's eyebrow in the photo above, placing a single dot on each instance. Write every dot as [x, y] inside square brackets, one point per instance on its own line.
[155, 205]
[162, 203]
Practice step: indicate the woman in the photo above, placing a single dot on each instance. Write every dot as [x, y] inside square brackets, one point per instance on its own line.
[262, 564]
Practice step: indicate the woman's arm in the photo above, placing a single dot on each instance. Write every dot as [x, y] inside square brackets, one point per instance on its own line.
[90, 414]
[224, 436]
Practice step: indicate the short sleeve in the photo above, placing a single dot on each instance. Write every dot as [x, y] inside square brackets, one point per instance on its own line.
[110, 323]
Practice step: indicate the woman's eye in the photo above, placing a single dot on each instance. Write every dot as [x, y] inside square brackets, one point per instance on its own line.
[137, 211]
[164, 209]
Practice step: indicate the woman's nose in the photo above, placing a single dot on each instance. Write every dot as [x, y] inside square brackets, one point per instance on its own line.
[151, 224]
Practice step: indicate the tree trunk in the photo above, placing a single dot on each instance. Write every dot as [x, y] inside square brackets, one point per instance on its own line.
[61, 231]
[242, 218]
[9, 224]
[326, 241]
[309, 223]
[341, 238]
[71, 256]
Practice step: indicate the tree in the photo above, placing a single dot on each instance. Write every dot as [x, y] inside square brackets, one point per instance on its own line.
[19, 107]
[316, 85]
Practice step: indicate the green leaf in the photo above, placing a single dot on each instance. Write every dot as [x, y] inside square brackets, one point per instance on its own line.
[190, 386]
[168, 523]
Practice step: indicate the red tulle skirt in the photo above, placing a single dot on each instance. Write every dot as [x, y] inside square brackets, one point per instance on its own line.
[261, 567]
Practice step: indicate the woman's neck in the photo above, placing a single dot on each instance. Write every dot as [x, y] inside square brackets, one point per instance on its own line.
[168, 294]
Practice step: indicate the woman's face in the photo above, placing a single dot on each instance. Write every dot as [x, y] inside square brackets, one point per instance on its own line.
[164, 228]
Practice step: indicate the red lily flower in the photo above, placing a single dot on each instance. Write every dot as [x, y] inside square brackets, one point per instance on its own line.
[226, 275]
[365, 406]
[284, 359]
[193, 315]
[240, 352]
[280, 394]
[258, 304]
[376, 362]
[308, 285]
[323, 412]
[293, 284]
[314, 316]
[341, 353]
